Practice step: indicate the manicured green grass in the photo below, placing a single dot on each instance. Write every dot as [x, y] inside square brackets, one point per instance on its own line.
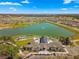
[23, 42]
[77, 42]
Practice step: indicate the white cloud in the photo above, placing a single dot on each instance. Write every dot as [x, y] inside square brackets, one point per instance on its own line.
[64, 9]
[67, 1]
[9, 3]
[25, 1]
[76, 6]
[12, 8]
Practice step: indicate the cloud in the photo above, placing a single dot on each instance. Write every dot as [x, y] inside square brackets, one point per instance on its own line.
[64, 9]
[25, 1]
[76, 6]
[67, 1]
[12, 8]
[10, 3]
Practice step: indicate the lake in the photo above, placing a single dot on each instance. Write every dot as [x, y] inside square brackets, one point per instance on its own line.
[38, 29]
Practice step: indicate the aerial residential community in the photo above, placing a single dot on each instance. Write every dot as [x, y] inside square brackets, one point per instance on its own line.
[39, 37]
[39, 29]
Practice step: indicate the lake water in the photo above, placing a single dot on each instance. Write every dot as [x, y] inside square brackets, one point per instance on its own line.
[38, 29]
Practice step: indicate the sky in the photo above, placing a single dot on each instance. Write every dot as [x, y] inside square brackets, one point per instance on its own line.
[39, 6]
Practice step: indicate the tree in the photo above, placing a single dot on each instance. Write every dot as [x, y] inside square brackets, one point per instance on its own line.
[66, 41]
[6, 39]
[7, 48]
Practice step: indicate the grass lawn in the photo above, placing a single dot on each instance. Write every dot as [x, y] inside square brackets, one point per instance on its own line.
[23, 42]
[77, 42]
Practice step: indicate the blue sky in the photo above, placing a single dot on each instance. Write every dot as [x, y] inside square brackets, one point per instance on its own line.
[39, 6]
